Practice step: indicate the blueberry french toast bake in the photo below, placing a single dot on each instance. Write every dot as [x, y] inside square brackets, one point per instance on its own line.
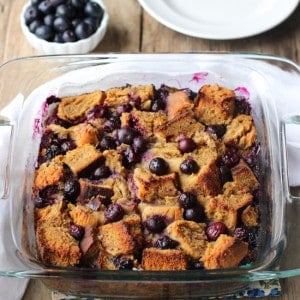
[148, 178]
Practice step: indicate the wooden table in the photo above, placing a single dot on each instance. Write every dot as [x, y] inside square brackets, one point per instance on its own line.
[131, 29]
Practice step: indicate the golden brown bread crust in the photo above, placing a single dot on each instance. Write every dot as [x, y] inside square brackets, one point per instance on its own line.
[243, 175]
[57, 247]
[241, 132]
[184, 123]
[117, 96]
[49, 173]
[215, 105]
[75, 107]
[225, 252]
[116, 238]
[177, 103]
[249, 216]
[81, 158]
[156, 259]
[190, 236]
[84, 134]
[150, 187]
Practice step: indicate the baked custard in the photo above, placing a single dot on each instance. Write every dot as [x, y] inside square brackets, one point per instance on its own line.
[148, 178]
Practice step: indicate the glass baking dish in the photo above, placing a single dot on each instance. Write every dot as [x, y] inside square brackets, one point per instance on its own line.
[27, 82]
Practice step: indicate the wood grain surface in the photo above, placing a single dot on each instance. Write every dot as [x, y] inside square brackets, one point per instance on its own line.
[131, 29]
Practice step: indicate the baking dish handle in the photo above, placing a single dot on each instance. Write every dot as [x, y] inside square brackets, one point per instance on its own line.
[291, 153]
[6, 136]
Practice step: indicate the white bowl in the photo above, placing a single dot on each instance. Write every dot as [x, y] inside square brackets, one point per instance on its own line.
[79, 47]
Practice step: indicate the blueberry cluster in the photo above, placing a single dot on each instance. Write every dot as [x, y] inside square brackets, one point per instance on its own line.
[63, 21]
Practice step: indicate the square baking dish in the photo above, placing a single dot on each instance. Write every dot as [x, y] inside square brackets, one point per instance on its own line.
[27, 82]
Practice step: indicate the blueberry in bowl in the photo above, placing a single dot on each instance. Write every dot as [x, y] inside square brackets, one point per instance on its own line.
[64, 26]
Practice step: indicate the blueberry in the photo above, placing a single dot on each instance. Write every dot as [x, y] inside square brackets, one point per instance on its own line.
[45, 32]
[165, 242]
[46, 7]
[155, 224]
[242, 106]
[98, 111]
[66, 10]
[230, 158]
[58, 38]
[34, 25]
[40, 202]
[215, 229]
[83, 30]
[107, 142]
[241, 233]
[57, 2]
[126, 135]
[94, 22]
[112, 123]
[52, 99]
[189, 166]
[75, 22]
[67, 145]
[49, 19]
[196, 265]
[126, 107]
[71, 189]
[195, 214]
[139, 144]
[68, 36]
[187, 200]
[52, 151]
[186, 145]
[218, 130]
[46, 196]
[114, 212]
[158, 105]
[61, 24]
[31, 14]
[76, 231]
[101, 172]
[123, 263]
[158, 166]
[93, 9]
[129, 157]
[79, 3]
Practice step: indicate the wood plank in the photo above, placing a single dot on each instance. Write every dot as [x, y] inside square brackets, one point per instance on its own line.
[5, 7]
[284, 40]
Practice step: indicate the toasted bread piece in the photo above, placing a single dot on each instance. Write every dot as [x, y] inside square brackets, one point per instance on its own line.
[177, 103]
[204, 183]
[184, 123]
[49, 173]
[56, 246]
[84, 134]
[75, 107]
[249, 216]
[82, 157]
[244, 177]
[241, 132]
[85, 216]
[190, 236]
[118, 96]
[150, 187]
[215, 105]
[116, 238]
[225, 252]
[159, 260]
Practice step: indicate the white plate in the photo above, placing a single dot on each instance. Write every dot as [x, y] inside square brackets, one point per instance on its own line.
[220, 19]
